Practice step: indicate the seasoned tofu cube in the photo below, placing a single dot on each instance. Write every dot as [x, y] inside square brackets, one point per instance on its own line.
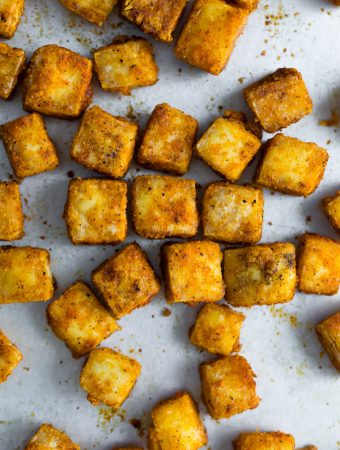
[177, 424]
[104, 143]
[210, 33]
[12, 62]
[329, 334]
[11, 215]
[58, 82]
[95, 212]
[10, 357]
[168, 140]
[310, 447]
[127, 448]
[10, 14]
[331, 206]
[192, 272]
[95, 11]
[291, 166]
[260, 275]
[28, 146]
[108, 377]
[126, 280]
[126, 64]
[279, 99]
[318, 265]
[48, 437]
[153, 443]
[247, 4]
[274, 440]
[232, 213]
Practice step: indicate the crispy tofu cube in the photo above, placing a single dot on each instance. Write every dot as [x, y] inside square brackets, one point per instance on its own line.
[232, 213]
[310, 447]
[48, 437]
[108, 377]
[264, 441]
[210, 33]
[329, 334]
[10, 357]
[279, 99]
[95, 211]
[247, 4]
[318, 265]
[126, 280]
[12, 62]
[28, 146]
[291, 166]
[10, 14]
[11, 215]
[177, 424]
[95, 11]
[58, 82]
[228, 386]
[331, 206]
[153, 443]
[25, 275]
[127, 448]
[260, 275]
[192, 272]
[126, 64]
[168, 140]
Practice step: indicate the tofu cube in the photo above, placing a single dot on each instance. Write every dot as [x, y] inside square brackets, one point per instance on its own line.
[126, 64]
[217, 329]
[11, 215]
[260, 275]
[12, 62]
[228, 386]
[318, 265]
[291, 166]
[192, 272]
[153, 443]
[95, 212]
[25, 275]
[58, 82]
[274, 440]
[48, 437]
[210, 33]
[247, 4]
[127, 448]
[10, 357]
[28, 146]
[108, 377]
[164, 206]
[168, 140]
[10, 14]
[331, 206]
[232, 213]
[329, 334]
[104, 143]
[95, 11]
[126, 280]
[279, 99]
[177, 424]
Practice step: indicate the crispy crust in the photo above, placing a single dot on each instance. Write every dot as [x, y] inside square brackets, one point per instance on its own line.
[11, 215]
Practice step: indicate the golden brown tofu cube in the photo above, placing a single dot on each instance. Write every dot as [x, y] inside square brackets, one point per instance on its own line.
[279, 99]
[264, 441]
[95, 11]
[12, 62]
[329, 334]
[247, 4]
[10, 357]
[10, 14]
[153, 443]
[126, 280]
[260, 275]
[177, 424]
[127, 448]
[11, 216]
[108, 377]
[192, 272]
[232, 213]
[48, 437]
[168, 140]
[95, 211]
[319, 265]
[28, 146]
[291, 166]
[58, 82]
[310, 447]
[210, 33]
[331, 206]
[126, 64]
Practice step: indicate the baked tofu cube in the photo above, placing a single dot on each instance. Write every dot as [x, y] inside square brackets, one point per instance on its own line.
[210, 33]
[153, 443]
[12, 62]
[95, 11]
[247, 4]
[126, 64]
[58, 82]
[28, 146]
[168, 140]
[48, 437]
[260, 275]
[291, 166]
[10, 13]
[9, 357]
[25, 275]
[319, 265]
[127, 448]
[264, 441]
[279, 99]
[192, 272]
[11, 216]
[177, 424]
[95, 211]
[331, 206]
[108, 377]
[126, 280]
[232, 213]
[329, 334]
[104, 143]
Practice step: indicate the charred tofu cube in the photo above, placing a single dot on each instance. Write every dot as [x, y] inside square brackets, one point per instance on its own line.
[192, 272]
[319, 265]
[10, 357]
[12, 62]
[260, 275]
[260, 441]
[58, 82]
[48, 437]
[126, 280]
[108, 377]
[329, 334]
[95, 211]
[331, 206]
[11, 215]
[10, 14]
[210, 33]
[291, 166]
[279, 99]
[126, 64]
[95, 11]
[168, 140]
[28, 146]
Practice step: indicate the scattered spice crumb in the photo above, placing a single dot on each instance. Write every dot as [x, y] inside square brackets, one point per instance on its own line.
[166, 312]
[333, 121]
[70, 174]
